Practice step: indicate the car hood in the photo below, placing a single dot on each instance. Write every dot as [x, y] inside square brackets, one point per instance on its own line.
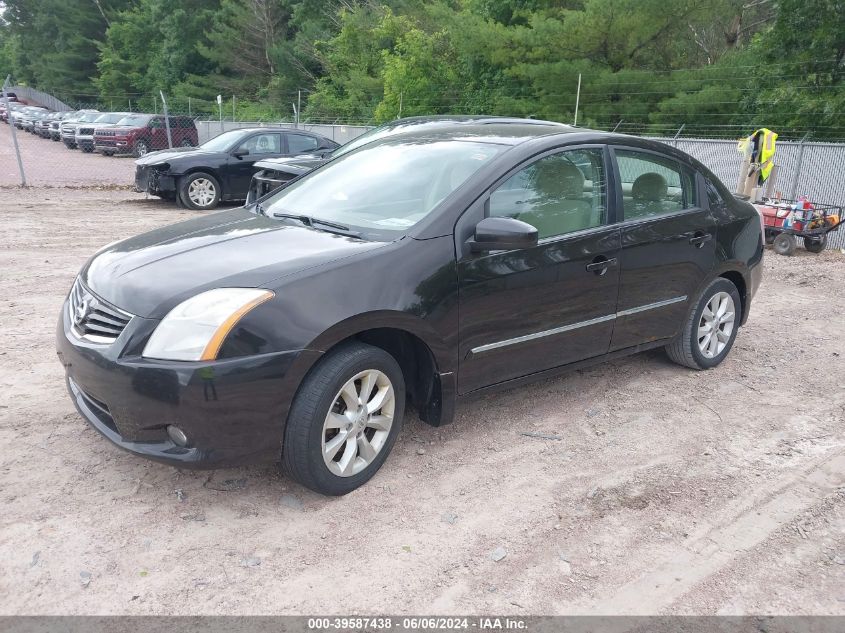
[149, 274]
[168, 155]
[296, 164]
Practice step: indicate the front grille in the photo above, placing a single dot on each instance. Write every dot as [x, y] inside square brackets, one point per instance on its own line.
[92, 318]
[85, 131]
[105, 133]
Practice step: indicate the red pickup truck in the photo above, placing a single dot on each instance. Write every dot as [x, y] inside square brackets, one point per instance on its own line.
[139, 134]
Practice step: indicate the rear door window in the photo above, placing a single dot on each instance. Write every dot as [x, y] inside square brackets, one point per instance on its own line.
[301, 143]
[653, 185]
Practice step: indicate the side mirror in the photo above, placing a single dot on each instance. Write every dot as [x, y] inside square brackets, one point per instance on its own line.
[502, 234]
[240, 153]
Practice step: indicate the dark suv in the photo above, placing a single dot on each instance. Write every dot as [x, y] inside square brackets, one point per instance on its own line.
[139, 134]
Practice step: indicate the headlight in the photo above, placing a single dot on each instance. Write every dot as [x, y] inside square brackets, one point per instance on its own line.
[196, 328]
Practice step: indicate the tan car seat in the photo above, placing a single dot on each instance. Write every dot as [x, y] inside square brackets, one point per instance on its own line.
[649, 193]
[560, 206]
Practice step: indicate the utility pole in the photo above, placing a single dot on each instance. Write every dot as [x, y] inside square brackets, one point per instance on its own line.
[577, 100]
[400, 104]
[298, 106]
[12, 127]
[234, 118]
[166, 120]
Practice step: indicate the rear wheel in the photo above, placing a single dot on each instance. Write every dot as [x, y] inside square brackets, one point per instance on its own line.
[186, 143]
[199, 191]
[108, 152]
[711, 328]
[816, 244]
[344, 419]
[784, 244]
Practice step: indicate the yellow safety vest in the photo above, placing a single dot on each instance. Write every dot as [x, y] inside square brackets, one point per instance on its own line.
[766, 153]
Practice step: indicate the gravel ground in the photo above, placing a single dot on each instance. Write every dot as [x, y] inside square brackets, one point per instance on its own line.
[50, 163]
[669, 491]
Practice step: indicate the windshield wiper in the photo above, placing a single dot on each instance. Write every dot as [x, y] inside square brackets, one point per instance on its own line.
[313, 222]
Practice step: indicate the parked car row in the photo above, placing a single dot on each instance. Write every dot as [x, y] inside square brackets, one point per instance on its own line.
[107, 132]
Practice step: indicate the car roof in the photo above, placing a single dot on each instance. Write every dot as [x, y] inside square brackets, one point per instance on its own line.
[500, 130]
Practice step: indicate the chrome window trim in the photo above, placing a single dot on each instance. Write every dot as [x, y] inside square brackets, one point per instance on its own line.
[575, 326]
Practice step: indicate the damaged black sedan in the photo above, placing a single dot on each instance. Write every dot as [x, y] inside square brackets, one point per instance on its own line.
[220, 170]
[410, 272]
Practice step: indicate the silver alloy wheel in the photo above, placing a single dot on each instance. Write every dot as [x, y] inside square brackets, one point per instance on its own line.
[716, 325]
[358, 423]
[141, 149]
[202, 192]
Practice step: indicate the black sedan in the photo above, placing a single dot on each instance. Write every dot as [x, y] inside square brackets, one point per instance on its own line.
[220, 169]
[412, 271]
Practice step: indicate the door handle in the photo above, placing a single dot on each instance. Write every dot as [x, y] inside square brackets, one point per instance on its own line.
[700, 238]
[600, 265]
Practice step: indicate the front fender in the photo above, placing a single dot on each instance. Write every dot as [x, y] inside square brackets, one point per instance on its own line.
[391, 319]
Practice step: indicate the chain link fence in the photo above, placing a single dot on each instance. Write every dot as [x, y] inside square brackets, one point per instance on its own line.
[805, 168]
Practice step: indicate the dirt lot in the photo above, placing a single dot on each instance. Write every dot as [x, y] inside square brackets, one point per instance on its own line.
[50, 163]
[670, 491]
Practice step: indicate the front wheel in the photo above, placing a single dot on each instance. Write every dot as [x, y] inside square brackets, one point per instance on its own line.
[199, 191]
[344, 419]
[140, 149]
[710, 329]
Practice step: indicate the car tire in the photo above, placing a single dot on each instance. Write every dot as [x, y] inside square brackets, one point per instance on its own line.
[87, 149]
[784, 244]
[321, 413]
[694, 347]
[141, 148]
[108, 153]
[186, 143]
[816, 245]
[199, 191]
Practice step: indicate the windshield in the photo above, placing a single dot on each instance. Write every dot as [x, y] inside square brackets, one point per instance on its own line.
[385, 187]
[135, 120]
[224, 141]
[88, 117]
[112, 117]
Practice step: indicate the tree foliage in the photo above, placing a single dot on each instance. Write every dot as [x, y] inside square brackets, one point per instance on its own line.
[716, 66]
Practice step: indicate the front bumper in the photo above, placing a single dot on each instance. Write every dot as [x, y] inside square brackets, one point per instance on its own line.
[233, 411]
[111, 144]
[150, 180]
